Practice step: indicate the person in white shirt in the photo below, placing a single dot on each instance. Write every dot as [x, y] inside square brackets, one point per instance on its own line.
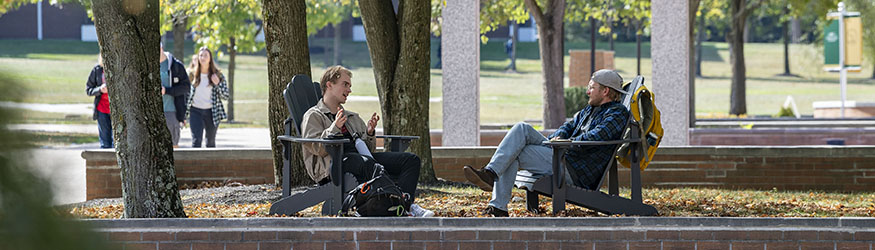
[205, 104]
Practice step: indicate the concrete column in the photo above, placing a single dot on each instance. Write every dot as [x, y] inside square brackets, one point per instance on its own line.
[460, 59]
[670, 51]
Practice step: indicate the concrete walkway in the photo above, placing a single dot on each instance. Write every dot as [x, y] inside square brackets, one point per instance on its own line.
[65, 169]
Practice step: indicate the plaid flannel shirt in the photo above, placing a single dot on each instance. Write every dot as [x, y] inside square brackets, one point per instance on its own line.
[589, 162]
[219, 92]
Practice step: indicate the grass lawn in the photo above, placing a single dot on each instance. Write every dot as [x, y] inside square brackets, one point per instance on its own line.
[460, 200]
[56, 71]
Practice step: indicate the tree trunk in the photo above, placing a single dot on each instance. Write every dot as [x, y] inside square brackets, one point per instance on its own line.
[638, 47]
[128, 36]
[551, 27]
[400, 51]
[232, 63]
[337, 37]
[592, 37]
[786, 48]
[179, 24]
[515, 28]
[735, 37]
[285, 33]
[701, 36]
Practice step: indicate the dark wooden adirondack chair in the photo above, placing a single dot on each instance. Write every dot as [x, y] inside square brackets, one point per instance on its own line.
[300, 95]
[608, 203]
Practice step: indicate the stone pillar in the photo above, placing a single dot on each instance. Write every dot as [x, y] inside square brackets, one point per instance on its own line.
[460, 59]
[670, 51]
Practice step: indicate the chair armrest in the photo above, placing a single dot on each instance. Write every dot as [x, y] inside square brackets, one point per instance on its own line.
[398, 143]
[399, 137]
[566, 144]
[301, 140]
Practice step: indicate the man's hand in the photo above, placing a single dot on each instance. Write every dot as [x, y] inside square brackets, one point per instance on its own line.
[372, 124]
[103, 89]
[215, 79]
[182, 124]
[339, 119]
[163, 90]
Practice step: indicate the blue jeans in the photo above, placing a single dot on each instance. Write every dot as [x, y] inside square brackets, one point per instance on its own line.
[104, 130]
[521, 148]
[200, 120]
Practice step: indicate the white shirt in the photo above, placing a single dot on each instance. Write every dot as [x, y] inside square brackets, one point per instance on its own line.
[202, 94]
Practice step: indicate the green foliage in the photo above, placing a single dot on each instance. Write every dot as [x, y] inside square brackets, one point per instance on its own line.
[575, 100]
[495, 13]
[214, 23]
[785, 112]
[27, 219]
[321, 13]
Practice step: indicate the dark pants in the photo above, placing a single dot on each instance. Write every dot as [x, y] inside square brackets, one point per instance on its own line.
[104, 129]
[403, 168]
[200, 120]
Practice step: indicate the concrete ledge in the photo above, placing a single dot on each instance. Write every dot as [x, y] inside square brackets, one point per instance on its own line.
[844, 223]
[490, 233]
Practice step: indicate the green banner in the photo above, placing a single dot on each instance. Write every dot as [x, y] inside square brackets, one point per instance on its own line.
[831, 43]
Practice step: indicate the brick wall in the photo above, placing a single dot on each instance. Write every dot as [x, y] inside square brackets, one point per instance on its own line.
[847, 168]
[193, 166]
[488, 233]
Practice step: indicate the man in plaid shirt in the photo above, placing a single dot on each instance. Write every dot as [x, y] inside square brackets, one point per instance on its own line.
[603, 120]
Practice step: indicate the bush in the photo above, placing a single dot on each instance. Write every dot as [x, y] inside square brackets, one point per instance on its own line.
[575, 100]
[784, 112]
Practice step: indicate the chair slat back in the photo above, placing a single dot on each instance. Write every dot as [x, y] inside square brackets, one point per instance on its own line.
[301, 94]
[627, 100]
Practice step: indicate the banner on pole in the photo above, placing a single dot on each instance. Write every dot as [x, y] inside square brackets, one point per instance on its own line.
[853, 44]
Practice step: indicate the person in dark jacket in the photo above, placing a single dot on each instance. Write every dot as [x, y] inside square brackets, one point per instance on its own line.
[96, 87]
[175, 88]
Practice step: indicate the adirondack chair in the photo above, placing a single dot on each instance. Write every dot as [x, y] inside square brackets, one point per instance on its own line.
[300, 95]
[609, 203]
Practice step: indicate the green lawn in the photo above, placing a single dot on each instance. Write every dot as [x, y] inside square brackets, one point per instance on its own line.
[56, 71]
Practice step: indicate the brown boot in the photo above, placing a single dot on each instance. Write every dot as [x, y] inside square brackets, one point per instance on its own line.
[483, 178]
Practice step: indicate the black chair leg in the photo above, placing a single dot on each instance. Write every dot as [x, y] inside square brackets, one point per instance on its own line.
[532, 202]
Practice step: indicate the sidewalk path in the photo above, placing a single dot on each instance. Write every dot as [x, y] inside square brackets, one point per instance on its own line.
[65, 169]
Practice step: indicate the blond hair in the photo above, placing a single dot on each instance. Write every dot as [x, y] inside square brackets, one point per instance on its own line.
[332, 74]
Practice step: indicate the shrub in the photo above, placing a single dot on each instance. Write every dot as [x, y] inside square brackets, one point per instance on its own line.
[575, 100]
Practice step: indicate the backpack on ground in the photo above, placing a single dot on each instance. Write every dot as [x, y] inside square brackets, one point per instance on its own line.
[377, 197]
[642, 105]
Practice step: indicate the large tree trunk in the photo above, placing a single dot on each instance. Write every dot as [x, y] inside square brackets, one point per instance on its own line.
[285, 33]
[128, 35]
[179, 24]
[515, 29]
[735, 37]
[399, 48]
[337, 37]
[232, 63]
[551, 27]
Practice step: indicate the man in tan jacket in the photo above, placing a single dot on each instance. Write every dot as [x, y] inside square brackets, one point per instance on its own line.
[329, 119]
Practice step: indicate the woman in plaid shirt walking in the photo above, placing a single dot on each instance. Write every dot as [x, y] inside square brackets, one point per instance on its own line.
[204, 103]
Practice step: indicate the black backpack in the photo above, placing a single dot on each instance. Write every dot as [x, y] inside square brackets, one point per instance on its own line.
[377, 197]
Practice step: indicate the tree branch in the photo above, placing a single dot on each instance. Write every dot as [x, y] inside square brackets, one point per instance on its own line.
[535, 10]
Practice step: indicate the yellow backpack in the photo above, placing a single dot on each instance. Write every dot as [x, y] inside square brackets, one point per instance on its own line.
[642, 105]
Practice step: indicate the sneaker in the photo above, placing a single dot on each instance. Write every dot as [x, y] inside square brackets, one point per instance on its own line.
[483, 178]
[417, 211]
[495, 212]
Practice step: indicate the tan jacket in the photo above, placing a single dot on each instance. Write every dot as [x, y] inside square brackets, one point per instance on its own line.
[316, 125]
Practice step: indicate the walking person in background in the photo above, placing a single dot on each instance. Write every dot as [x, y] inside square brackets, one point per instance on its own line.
[175, 88]
[204, 103]
[96, 87]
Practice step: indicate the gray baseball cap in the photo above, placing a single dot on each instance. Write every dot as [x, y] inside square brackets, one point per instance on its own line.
[610, 79]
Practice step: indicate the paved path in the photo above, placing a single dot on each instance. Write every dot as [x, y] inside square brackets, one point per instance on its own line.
[65, 169]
